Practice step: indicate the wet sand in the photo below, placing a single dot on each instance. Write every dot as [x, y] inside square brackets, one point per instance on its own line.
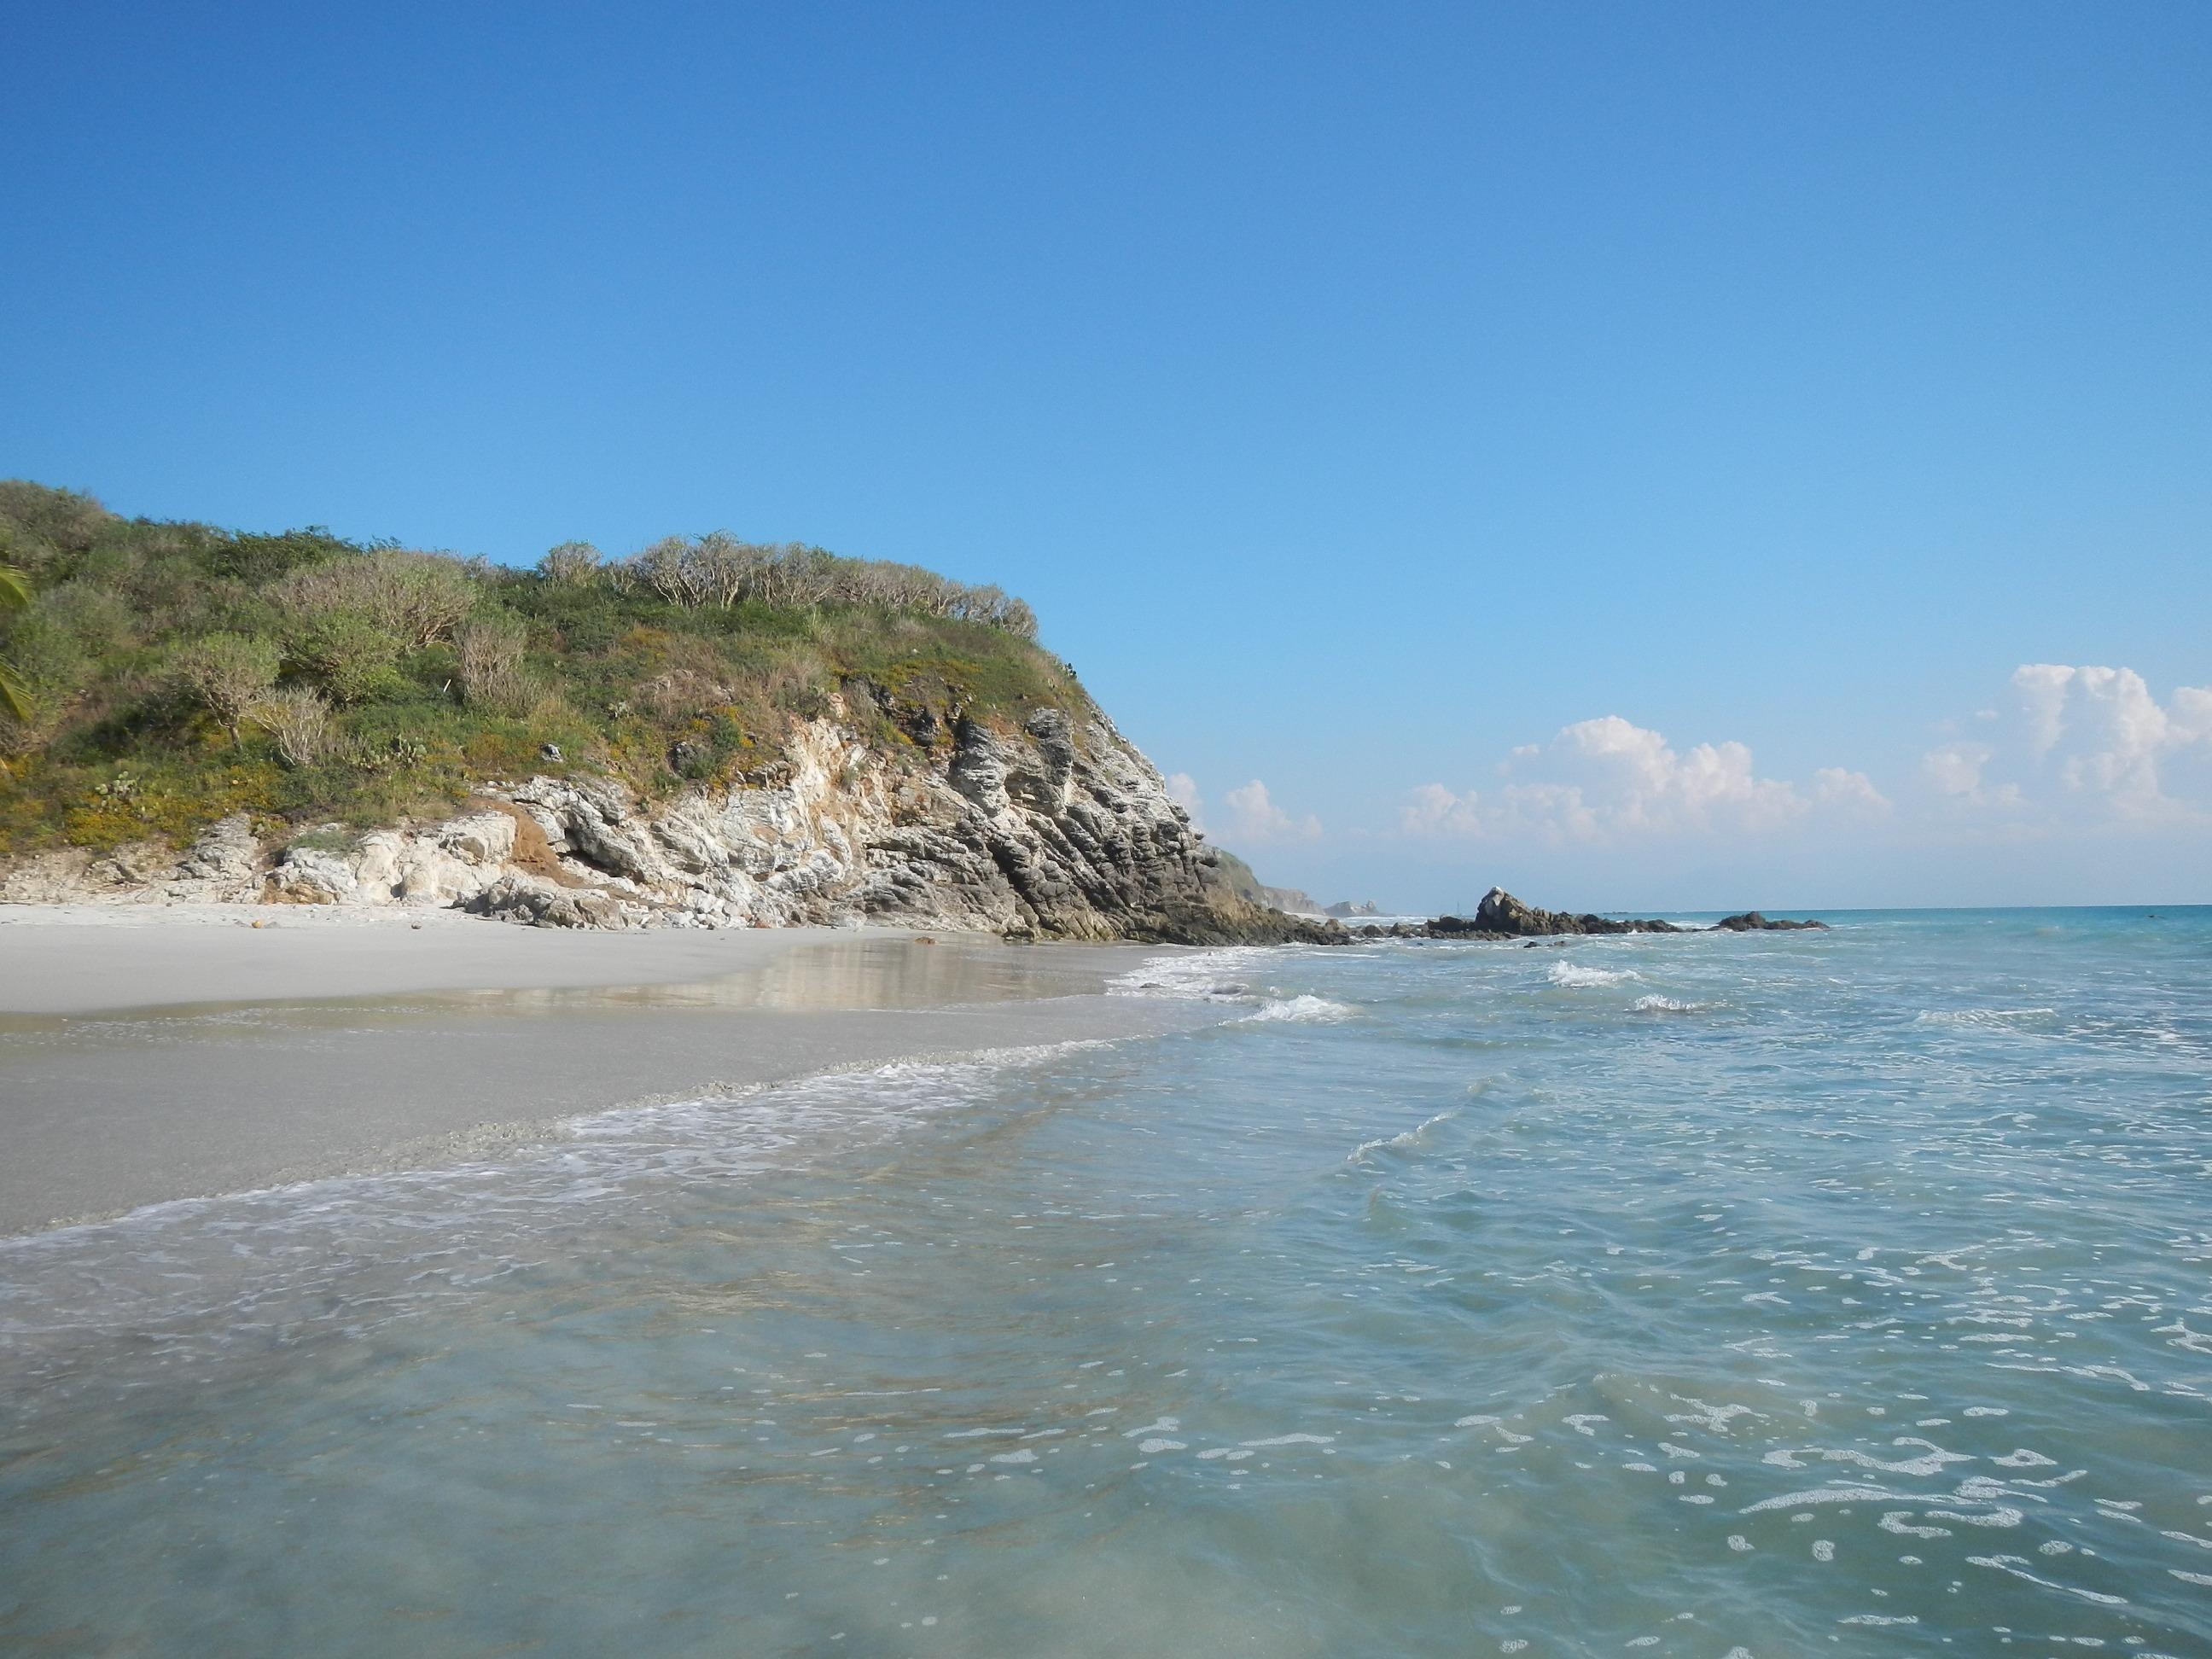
[165, 1056]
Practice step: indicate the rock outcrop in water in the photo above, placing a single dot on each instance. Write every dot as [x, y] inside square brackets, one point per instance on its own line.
[1502, 916]
[1051, 830]
[1752, 922]
[1500, 913]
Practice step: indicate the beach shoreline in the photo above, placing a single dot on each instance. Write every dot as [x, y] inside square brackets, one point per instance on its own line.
[155, 1054]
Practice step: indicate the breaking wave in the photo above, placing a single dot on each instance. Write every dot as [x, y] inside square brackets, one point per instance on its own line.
[1409, 1141]
[1203, 976]
[1576, 976]
[1302, 1009]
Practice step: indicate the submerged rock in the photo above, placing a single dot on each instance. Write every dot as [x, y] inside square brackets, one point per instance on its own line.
[1752, 922]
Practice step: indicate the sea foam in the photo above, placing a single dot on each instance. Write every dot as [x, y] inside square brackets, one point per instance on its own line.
[1303, 1010]
[1202, 975]
[1405, 1141]
[804, 1316]
[1578, 975]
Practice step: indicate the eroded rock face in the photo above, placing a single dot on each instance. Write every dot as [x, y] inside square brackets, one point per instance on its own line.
[1057, 831]
[223, 865]
[1047, 833]
[445, 863]
[535, 901]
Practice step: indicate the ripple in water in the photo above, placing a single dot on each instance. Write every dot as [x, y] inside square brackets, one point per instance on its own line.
[1488, 1320]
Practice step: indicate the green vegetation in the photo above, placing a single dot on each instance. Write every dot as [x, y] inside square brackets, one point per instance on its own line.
[14, 696]
[1232, 874]
[163, 675]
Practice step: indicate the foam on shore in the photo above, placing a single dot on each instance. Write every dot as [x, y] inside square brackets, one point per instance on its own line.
[474, 1040]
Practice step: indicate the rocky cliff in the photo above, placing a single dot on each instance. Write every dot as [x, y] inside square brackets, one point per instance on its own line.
[1056, 829]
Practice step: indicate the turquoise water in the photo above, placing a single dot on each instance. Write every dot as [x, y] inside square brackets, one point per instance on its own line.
[1767, 1295]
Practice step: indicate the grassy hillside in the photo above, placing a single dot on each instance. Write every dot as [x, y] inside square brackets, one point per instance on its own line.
[175, 673]
[1233, 875]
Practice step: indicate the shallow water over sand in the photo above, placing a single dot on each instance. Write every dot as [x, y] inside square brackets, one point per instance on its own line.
[106, 1106]
[1670, 1295]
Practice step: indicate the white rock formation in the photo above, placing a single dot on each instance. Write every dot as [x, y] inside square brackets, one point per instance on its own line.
[1049, 831]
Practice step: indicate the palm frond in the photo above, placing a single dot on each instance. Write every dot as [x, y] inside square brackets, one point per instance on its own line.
[14, 696]
[14, 594]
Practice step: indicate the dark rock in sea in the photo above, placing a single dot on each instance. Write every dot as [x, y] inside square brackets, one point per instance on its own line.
[1501, 916]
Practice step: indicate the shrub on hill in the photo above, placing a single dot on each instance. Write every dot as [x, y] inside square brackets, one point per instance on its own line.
[172, 673]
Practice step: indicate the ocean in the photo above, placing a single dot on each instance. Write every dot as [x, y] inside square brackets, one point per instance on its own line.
[1764, 1294]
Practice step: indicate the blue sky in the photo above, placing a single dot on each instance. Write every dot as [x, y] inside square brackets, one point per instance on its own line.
[1361, 394]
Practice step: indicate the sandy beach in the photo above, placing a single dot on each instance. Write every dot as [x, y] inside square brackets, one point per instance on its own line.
[150, 1054]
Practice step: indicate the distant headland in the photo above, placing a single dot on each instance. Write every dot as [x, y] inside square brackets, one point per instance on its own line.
[707, 732]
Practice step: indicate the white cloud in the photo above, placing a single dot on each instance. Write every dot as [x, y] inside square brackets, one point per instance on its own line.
[1609, 779]
[2085, 743]
[1182, 790]
[2041, 688]
[1253, 818]
[2066, 746]
[2086, 750]
[1433, 809]
[1956, 768]
[1847, 792]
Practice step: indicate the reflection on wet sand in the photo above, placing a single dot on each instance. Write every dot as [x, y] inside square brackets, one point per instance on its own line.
[921, 972]
[893, 972]
[103, 1111]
